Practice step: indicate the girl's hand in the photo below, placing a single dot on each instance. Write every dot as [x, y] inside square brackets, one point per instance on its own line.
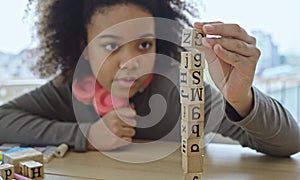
[232, 56]
[113, 130]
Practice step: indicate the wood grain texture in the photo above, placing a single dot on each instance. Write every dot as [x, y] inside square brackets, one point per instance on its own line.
[221, 162]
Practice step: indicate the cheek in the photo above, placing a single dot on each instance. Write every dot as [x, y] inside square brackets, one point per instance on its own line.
[97, 60]
[147, 63]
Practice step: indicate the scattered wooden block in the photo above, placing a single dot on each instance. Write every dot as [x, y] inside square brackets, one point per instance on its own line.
[23, 169]
[191, 95]
[191, 60]
[33, 169]
[192, 147]
[192, 112]
[191, 38]
[7, 171]
[191, 77]
[192, 176]
[18, 155]
[192, 164]
[192, 129]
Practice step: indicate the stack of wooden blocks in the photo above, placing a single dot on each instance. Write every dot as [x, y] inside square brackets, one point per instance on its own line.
[27, 162]
[192, 104]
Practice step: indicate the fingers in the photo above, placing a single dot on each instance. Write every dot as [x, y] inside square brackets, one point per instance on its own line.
[123, 131]
[125, 116]
[127, 132]
[225, 30]
[236, 60]
[200, 25]
[126, 112]
[233, 45]
[121, 122]
[230, 43]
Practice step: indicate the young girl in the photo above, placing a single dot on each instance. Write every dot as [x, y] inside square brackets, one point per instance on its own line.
[106, 101]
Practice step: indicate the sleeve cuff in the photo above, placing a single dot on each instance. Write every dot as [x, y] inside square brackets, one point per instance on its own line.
[234, 116]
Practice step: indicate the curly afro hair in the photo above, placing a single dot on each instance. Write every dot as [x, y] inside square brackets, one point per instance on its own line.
[61, 29]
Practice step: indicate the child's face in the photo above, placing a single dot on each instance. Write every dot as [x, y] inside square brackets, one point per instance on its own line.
[121, 49]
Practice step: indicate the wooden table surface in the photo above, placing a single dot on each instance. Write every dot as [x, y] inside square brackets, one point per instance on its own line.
[222, 161]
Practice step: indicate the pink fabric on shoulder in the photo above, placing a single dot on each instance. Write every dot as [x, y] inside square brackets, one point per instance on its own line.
[88, 90]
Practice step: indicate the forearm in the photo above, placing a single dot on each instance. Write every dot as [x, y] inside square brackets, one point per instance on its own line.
[18, 126]
[273, 129]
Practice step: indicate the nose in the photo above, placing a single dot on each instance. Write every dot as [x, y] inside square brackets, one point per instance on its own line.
[129, 60]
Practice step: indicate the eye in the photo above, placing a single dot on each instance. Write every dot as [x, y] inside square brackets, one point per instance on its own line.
[111, 46]
[145, 45]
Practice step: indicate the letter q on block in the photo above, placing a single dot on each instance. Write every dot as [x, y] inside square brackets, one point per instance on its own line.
[192, 129]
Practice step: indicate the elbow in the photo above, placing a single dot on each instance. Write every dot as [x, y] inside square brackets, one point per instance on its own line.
[286, 150]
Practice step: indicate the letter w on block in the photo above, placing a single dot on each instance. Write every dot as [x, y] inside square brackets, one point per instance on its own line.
[191, 95]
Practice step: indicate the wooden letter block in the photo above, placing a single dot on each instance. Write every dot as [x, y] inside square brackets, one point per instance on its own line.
[192, 164]
[22, 155]
[191, 60]
[192, 112]
[7, 171]
[191, 95]
[191, 38]
[23, 168]
[192, 147]
[191, 77]
[35, 170]
[192, 176]
[192, 129]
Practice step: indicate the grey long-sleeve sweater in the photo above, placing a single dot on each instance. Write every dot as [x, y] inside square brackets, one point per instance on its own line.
[50, 115]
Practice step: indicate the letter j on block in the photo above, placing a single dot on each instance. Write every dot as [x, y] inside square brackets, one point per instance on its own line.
[191, 60]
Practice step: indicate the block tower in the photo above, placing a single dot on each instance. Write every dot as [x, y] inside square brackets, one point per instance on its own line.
[192, 104]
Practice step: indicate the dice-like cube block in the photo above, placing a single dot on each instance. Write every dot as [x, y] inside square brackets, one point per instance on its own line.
[191, 95]
[22, 155]
[192, 176]
[191, 38]
[192, 147]
[7, 171]
[33, 170]
[192, 164]
[190, 60]
[192, 77]
[192, 129]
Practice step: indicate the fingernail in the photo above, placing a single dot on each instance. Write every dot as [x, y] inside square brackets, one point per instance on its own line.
[198, 25]
[208, 28]
[219, 47]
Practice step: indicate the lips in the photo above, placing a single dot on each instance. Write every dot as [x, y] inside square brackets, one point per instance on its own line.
[126, 82]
